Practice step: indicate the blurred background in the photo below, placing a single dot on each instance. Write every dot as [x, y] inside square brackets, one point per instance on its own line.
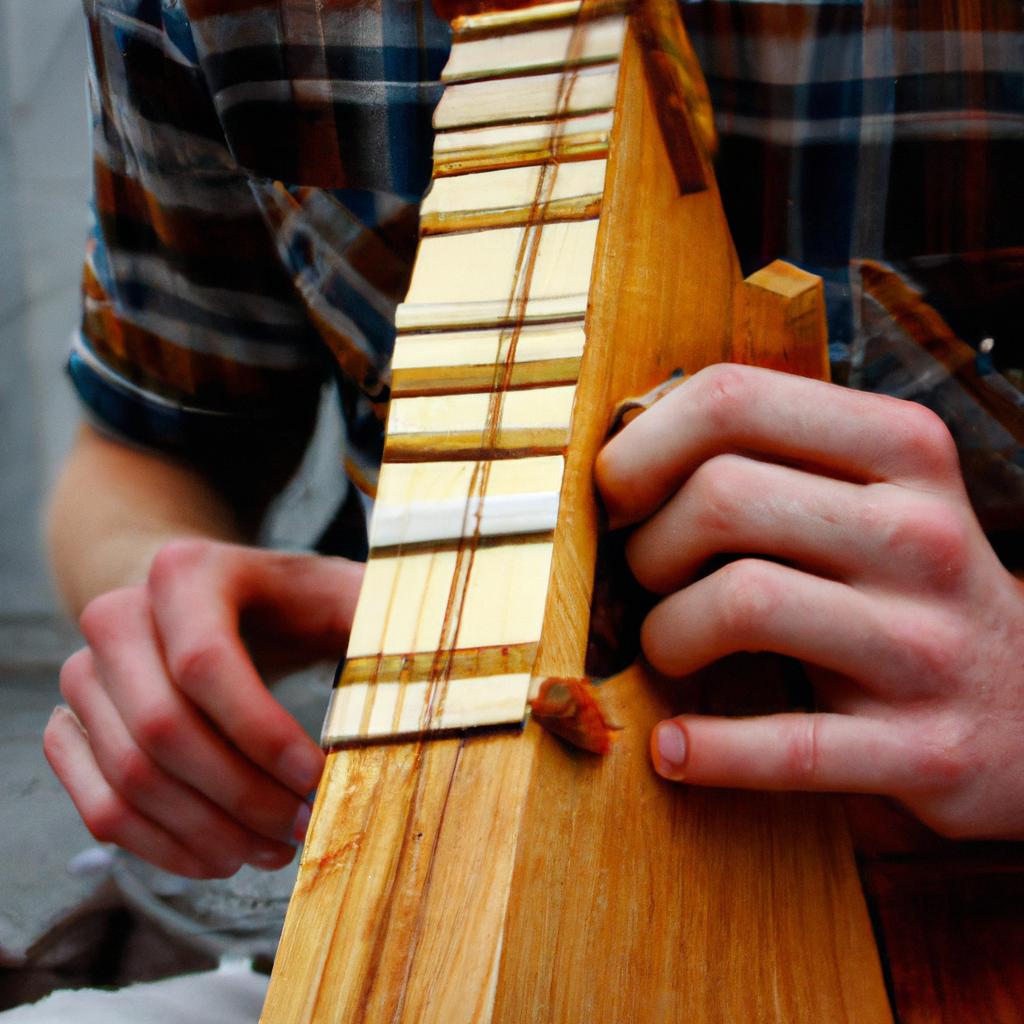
[44, 180]
[71, 913]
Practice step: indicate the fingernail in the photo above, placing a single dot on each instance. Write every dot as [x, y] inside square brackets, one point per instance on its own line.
[299, 767]
[301, 824]
[270, 859]
[669, 750]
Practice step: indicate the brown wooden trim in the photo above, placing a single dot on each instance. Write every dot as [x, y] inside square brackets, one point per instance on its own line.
[457, 380]
[467, 663]
[507, 444]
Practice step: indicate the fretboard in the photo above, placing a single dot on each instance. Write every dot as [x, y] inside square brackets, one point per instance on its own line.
[491, 338]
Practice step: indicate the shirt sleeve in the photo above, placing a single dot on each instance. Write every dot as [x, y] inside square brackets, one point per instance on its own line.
[192, 339]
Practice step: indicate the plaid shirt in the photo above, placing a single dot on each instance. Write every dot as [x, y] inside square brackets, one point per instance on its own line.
[258, 165]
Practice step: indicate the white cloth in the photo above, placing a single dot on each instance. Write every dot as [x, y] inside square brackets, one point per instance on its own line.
[232, 994]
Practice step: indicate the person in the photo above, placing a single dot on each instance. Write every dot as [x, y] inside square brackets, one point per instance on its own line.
[257, 173]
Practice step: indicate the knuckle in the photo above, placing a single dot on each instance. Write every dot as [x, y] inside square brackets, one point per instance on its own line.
[749, 597]
[107, 818]
[926, 540]
[932, 443]
[134, 773]
[179, 557]
[938, 540]
[716, 489]
[725, 391]
[927, 646]
[158, 730]
[942, 757]
[103, 618]
[197, 664]
[74, 676]
[802, 753]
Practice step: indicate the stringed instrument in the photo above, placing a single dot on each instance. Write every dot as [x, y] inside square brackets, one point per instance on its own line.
[462, 863]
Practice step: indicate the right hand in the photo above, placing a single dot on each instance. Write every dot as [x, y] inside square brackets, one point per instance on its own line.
[171, 745]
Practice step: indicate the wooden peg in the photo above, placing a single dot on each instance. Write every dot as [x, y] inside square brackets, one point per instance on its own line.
[779, 321]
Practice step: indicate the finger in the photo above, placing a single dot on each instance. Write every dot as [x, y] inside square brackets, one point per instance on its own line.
[733, 504]
[310, 598]
[181, 811]
[162, 721]
[107, 816]
[778, 416]
[209, 663]
[830, 752]
[754, 605]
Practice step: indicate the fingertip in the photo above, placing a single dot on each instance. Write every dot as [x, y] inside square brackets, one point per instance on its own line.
[62, 735]
[604, 463]
[300, 767]
[669, 749]
[301, 823]
[607, 481]
[62, 715]
[271, 858]
[660, 639]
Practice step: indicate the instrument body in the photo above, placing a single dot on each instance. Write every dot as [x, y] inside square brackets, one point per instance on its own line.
[493, 875]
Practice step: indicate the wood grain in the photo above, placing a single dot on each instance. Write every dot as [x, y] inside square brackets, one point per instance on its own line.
[661, 903]
[507, 878]
[952, 924]
[787, 305]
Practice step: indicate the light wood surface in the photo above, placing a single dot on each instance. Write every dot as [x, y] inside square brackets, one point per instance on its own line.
[502, 876]
[491, 337]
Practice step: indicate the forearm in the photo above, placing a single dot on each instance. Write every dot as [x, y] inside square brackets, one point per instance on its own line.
[113, 507]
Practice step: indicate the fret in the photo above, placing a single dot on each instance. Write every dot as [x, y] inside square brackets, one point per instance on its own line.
[400, 484]
[500, 596]
[508, 197]
[599, 41]
[411, 707]
[528, 98]
[449, 350]
[422, 502]
[497, 146]
[477, 279]
[449, 424]
[504, 600]
[529, 373]
[462, 664]
[509, 22]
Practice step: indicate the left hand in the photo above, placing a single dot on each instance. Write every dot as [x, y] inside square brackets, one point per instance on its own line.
[171, 745]
[859, 554]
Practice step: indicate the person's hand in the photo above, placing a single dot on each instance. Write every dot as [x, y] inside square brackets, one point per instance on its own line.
[173, 747]
[855, 550]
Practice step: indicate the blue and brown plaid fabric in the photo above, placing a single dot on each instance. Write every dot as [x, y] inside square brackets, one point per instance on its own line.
[881, 145]
[866, 130]
[258, 165]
